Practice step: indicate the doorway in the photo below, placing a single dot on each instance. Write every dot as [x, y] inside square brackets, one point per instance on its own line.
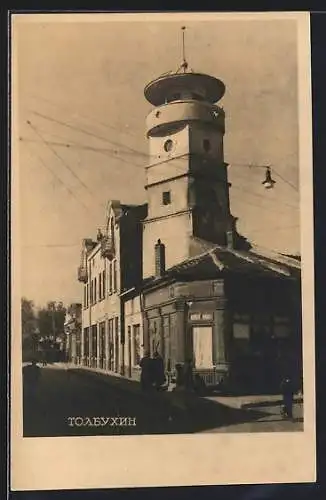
[202, 346]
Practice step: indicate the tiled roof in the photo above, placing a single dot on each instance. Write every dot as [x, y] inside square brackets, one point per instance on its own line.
[219, 261]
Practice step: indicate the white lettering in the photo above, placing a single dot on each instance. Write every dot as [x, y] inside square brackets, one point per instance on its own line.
[101, 421]
[80, 420]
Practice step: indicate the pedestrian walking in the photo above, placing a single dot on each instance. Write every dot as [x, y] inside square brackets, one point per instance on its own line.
[287, 390]
[146, 378]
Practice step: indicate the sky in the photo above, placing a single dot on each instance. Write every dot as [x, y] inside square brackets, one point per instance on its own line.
[79, 81]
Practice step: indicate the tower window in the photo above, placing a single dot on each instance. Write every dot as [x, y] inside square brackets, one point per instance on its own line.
[168, 145]
[166, 197]
[206, 145]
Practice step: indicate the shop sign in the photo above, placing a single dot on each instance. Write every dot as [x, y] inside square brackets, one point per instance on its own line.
[201, 316]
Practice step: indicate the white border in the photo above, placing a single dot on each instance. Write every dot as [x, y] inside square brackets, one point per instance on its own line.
[103, 462]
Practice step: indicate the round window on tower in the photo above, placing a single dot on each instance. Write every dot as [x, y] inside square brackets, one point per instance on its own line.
[168, 145]
[206, 145]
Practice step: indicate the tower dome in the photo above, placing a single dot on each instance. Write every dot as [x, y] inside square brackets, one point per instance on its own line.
[182, 97]
[174, 86]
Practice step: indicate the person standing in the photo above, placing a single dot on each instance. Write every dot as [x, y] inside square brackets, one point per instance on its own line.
[158, 370]
[287, 394]
[188, 377]
[146, 379]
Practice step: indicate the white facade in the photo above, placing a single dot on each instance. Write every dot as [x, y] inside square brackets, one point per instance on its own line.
[101, 314]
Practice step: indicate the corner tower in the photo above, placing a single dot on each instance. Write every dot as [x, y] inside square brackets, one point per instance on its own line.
[186, 179]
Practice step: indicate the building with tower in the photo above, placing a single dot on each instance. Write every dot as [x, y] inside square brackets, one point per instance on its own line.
[190, 286]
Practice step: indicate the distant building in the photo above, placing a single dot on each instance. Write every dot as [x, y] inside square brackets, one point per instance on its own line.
[174, 275]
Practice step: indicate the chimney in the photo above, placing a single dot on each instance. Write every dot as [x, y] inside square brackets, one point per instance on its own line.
[159, 258]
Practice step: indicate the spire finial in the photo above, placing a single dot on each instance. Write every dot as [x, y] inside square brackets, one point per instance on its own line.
[184, 61]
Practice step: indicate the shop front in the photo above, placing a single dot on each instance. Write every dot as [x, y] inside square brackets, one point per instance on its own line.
[192, 327]
[240, 335]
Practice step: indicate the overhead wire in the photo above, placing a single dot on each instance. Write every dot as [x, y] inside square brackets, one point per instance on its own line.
[61, 159]
[257, 195]
[253, 165]
[144, 154]
[86, 117]
[91, 134]
[43, 163]
[134, 151]
[87, 208]
[246, 191]
[114, 153]
[296, 188]
[76, 145]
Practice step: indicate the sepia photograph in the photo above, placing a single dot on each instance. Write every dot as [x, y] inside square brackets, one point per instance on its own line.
[162, 197]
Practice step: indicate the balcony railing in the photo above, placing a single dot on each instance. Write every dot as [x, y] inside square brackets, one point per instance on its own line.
[107, 247]
[82, 274]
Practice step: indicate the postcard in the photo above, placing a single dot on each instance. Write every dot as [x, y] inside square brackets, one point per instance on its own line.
[162, 250]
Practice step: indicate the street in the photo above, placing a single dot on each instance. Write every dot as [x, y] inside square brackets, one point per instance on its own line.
[72, 403]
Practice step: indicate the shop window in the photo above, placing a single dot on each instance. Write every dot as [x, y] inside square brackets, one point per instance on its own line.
[116, 344]
[110, 345]
[241, 331]
[202, 338]
[86, 342]
[94, 340]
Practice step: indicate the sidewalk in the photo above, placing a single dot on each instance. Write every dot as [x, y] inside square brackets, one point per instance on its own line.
[252, 401]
